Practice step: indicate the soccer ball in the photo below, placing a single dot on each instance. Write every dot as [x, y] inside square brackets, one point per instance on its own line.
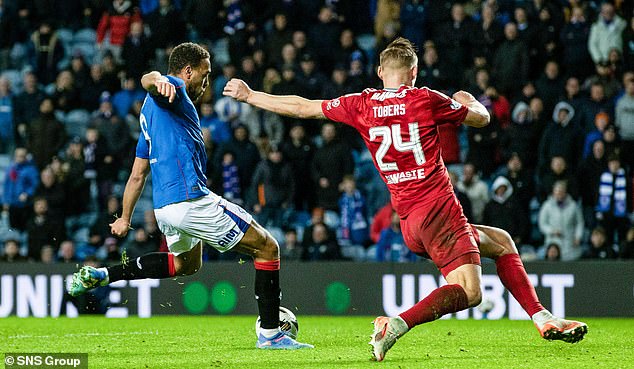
[288, 323]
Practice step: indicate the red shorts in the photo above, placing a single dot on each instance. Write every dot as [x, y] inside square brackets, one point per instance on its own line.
[439, 230]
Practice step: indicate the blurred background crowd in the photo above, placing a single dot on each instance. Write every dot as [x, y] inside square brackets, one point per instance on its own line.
[554, 167]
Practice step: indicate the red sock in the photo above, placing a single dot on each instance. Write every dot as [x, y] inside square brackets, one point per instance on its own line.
[513, 276]
[444, 300]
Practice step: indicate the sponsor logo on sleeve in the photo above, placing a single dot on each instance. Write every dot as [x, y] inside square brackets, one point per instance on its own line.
[455, 105]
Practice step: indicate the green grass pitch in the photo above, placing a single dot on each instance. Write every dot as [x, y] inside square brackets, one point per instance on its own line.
[341, 342]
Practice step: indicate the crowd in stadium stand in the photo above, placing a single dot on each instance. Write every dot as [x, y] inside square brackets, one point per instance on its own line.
[554, 167]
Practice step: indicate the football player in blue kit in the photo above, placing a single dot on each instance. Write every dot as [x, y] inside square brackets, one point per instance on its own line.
[171, 148]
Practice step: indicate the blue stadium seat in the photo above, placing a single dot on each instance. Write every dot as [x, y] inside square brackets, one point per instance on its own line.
[85, 35]
[65, 35]
[15, 78]
[87, 50]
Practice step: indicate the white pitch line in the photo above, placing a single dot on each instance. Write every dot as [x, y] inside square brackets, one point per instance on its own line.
[88, 334]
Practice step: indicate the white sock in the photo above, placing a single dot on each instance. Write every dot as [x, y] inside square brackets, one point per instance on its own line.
[269, 333]
[400, 326]
[542, 317]
[107, 280]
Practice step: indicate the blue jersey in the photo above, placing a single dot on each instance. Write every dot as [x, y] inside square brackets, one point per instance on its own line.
[172, 140]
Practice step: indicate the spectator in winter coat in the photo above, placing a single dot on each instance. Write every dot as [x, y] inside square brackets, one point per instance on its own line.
[475, 189]
[26, 106]
[321, 245]
[414, 21]
[550, 85]
[606, 33]
[558, 171]
[510, 62]
[574, 41]
[504, 211]
[46, 135]
[43, 229]
[136, 52]
[522, 136]
[20, 184]
[560, 139]
[299, 151]
[561, 221]
[273, 186]
[46, 50]
[601, 121]
[331, 163]
[53, 191]
[245, 154]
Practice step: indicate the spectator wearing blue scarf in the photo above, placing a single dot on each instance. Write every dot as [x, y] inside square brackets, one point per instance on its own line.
[354, 227]
[614, 201]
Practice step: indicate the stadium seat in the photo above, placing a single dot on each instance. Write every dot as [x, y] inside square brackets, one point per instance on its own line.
[87, 50]
[85, 35]
[15, 78]
[76, 122]
[220, 51]
[65, 35]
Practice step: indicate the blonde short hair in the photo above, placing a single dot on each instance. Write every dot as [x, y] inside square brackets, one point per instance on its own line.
[400, 53]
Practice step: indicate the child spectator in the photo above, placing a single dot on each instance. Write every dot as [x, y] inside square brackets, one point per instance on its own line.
[391, 246]
[599, 247]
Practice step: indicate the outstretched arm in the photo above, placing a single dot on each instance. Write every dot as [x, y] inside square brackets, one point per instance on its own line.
[156, 84]
[478, 116]
[131, 194]
[292, 106]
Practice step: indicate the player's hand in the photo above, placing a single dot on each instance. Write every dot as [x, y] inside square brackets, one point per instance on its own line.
[463, 97]
[120, 227]
[166, 88]
[237, 89]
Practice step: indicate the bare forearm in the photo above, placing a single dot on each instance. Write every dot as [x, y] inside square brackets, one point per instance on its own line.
[148, 81]
[478, 116]
[131, 194]
[289, 105]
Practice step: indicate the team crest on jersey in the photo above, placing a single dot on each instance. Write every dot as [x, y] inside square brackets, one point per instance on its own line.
[334, 103]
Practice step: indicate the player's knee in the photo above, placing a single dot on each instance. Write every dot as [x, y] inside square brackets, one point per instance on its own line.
[474, 296]
[270, 249]
[507, 243]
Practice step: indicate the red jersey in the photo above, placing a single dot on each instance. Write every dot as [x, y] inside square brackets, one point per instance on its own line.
[400, 128]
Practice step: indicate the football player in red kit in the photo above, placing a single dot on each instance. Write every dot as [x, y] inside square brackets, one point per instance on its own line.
[399, 125]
